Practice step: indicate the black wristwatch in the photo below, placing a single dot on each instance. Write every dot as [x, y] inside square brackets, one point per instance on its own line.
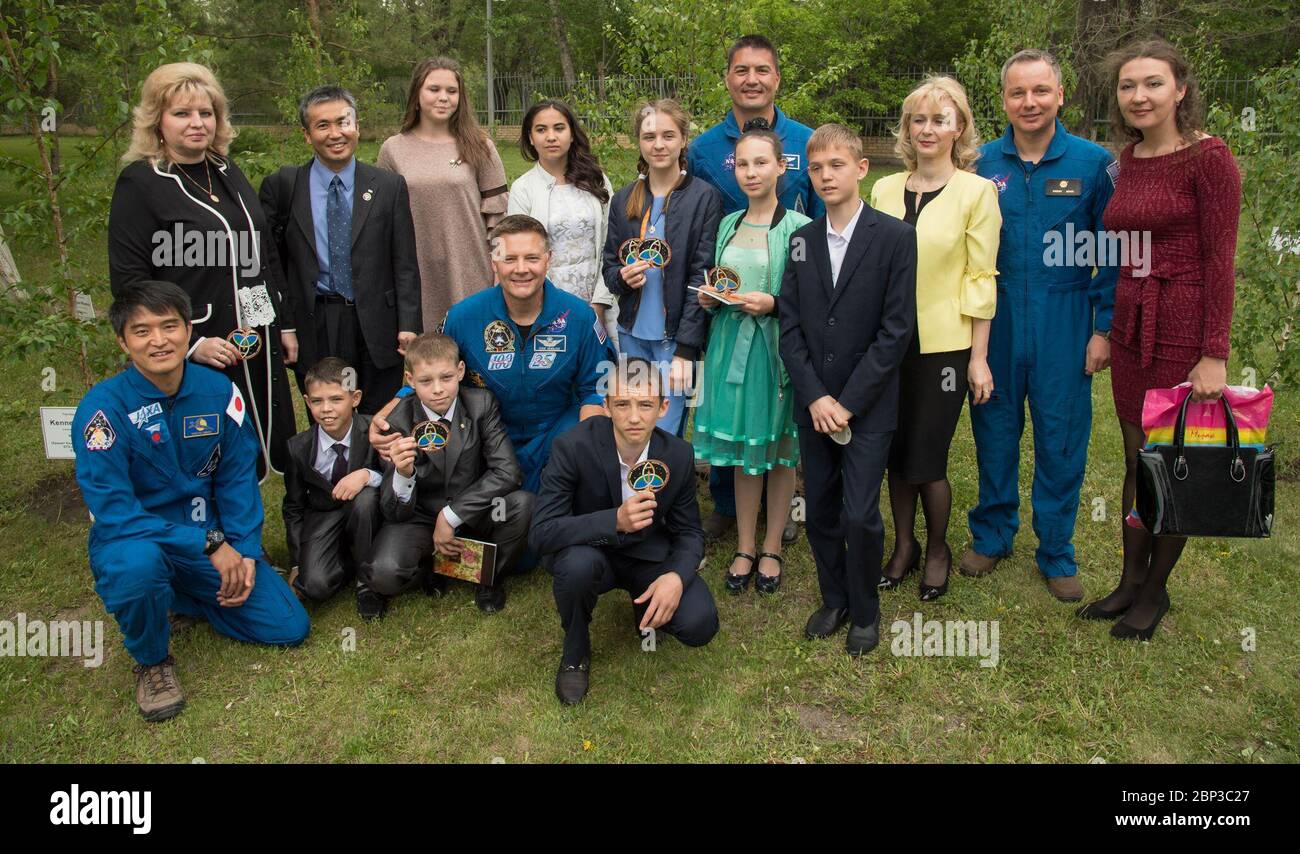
[215, 538]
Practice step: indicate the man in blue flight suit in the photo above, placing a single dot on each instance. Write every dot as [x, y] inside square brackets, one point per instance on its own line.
[753, 78]
[540, 350]
[166, 462]
[1050, 333]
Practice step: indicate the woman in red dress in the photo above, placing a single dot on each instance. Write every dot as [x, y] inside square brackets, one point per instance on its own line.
[1173, 309]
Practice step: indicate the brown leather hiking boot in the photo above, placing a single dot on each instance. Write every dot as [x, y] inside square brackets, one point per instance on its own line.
[157, 692]
[975, 564]
[1066, 588]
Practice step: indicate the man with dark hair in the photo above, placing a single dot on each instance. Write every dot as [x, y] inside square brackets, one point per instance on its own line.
[331, 488]
[347, 243]
[753, 78]
[617, 509]
[166, 462]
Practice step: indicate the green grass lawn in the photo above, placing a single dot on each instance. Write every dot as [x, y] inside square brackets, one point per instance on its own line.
[437, 681]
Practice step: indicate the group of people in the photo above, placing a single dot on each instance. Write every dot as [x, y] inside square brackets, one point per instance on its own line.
[517, 365]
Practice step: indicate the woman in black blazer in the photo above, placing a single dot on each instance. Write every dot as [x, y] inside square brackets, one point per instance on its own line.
[182, 212]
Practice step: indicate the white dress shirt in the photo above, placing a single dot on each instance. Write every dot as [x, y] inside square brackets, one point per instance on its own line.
[838, 242]
[403, 486]
[624, 468]
[324, 462]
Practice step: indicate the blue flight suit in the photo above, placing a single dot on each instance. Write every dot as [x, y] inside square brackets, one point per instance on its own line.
[540, 382]
[712, 156]
[157, 473]
[1047, 311]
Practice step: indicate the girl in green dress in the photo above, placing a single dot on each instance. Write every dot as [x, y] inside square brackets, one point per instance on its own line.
[745, 414]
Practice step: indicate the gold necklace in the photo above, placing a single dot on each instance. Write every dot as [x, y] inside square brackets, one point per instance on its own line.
[211, 195]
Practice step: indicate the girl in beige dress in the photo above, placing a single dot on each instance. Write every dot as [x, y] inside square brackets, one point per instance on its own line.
[457, 186]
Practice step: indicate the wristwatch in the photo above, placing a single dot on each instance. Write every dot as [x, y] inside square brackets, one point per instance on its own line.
[1104, 334]
[215, 538]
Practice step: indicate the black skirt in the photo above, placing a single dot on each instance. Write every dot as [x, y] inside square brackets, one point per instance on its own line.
[931, 390]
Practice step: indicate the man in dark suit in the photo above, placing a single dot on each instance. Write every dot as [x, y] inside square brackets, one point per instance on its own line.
[347, 244]
[331, 487]
[848, 313]
[470, 485]
[617, 509]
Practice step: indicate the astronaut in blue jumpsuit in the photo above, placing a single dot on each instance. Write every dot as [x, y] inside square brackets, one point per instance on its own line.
[158, 472]
[1047, 312]
[541, 376]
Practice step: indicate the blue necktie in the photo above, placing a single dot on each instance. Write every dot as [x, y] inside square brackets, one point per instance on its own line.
[338, 223]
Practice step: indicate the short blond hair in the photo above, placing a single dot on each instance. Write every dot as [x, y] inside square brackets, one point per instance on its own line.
[931, 93]
[831, 135]
[161, 88]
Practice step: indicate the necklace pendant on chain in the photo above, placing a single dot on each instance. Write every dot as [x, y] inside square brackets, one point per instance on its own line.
[214, 198]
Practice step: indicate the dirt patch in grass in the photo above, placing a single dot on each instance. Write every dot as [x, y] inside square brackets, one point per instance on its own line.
[56, 498]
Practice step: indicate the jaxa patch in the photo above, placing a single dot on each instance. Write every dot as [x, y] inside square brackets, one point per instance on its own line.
[1113, 171]
[198, 426]
[560, 323]
[475, 378]
[550, 343]
[793, 161]
[142, 415]
[500, 361]
[498, 337]
[211, 465]
[542, 361]
[99, 433]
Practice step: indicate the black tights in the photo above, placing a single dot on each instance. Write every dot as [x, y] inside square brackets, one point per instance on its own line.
[936, 503]
[1148, 560]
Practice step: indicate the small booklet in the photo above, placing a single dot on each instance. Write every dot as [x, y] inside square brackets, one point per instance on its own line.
[477, 564]
[725, 299]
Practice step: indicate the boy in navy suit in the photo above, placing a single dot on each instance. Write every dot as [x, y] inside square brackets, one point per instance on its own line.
[848, 313]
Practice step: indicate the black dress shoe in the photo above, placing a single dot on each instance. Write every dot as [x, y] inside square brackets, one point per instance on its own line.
[490, 599]
[863, 639]
[824, 622]
[736, 584]
[370, 605]
[889, 583]
[768, 583]
[571, 681]
[433, 583]
[1094, 611]
[929, 592]
[1123, 631]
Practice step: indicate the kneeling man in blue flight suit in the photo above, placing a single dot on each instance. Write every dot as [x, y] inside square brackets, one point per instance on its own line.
[167, 464]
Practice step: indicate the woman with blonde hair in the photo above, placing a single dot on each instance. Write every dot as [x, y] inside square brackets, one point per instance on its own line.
[957, 220]
[183, 212]
[456, 181]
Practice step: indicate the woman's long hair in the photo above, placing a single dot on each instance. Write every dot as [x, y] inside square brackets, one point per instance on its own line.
[1189, 115]
[581, 169]
[163, 85]
[640, 195]
[471, 141]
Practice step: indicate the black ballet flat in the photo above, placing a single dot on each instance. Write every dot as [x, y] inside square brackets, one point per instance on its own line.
[928, 591]
[768, 583]
[887, 583]
[736, 584]
[1124, 631]
[1094, 611]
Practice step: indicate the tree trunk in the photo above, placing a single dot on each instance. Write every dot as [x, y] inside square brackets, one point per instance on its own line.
[562, 40]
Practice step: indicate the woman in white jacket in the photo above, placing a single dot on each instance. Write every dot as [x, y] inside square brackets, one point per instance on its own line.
[569, 193]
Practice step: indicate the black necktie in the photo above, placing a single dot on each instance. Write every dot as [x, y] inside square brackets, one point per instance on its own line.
[340, 469]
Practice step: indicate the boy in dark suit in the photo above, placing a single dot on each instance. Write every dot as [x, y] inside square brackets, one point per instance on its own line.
[848, 313]
[617, 509]
[467, 485]
[331, 486]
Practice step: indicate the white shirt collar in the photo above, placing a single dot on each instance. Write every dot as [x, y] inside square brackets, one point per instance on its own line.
[326, 441]
[645, 454]
[433, 416]
[847, 234]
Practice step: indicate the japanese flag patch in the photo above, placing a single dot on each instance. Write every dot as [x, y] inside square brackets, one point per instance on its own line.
[235, 409]
[99, 433]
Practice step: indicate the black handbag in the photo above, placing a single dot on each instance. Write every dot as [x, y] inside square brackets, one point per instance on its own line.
[1206, 490]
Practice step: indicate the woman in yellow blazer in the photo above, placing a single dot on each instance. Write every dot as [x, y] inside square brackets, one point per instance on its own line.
[957, 220]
